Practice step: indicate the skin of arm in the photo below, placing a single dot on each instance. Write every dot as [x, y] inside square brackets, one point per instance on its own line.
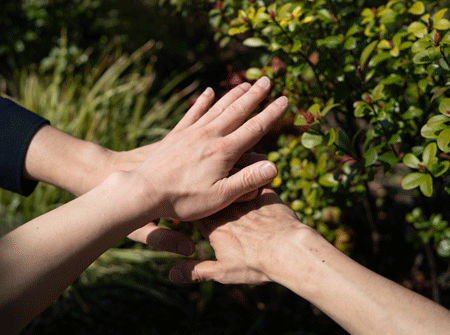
[263, 241]
[187, 176]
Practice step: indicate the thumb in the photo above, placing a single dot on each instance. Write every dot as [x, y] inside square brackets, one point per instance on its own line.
[194, 271]
[251, 178]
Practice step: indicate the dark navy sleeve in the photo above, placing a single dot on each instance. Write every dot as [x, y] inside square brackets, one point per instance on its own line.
[17, 127]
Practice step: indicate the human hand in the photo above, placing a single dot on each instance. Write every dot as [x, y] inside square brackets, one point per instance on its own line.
[188, 172]
[243, 236]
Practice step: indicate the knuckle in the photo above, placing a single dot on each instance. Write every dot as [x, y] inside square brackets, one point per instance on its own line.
[255, 125]
[249, 178]
[238, 108]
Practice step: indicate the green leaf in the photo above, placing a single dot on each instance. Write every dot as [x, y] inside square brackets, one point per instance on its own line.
[370, 157]
[331, 42]
[437, 120]
[443, 140]
[388, 158]
[327, 109]
[427, 56]
[443, 248]
[310, 140]
[444, 107]
[418, 29]
[413, 180]
[254, 42]
[445, 39]
[378, 58]
[331, 137]
[427, 185]
[328, 180]
[429, 153]
[392, 79]
[366, 53]
[350, 43]
[377, 92]
[237, 30]
[420, 45]
[411, 161]
[442, 24]
[439, 169]
[440, 14]
[417, 8]
[253, 73]
[412, 113]
[432, 132]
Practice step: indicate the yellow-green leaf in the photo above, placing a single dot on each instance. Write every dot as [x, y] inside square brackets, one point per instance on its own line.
[439, 14]
[417, 9]
[442, 24]
[413, 180]
[418, 29]
[444, 107]
[366, 53]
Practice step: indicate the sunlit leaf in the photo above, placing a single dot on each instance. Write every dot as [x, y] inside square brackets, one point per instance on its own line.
[366, 52]
[418, 8]
[411, 161]
[310, 140]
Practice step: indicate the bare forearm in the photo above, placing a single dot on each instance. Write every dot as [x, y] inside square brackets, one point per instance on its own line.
[67, 162]
[358, 299]
[41, 258]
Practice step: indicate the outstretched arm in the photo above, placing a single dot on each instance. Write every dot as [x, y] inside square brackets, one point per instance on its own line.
[186, 176]
[263, 241]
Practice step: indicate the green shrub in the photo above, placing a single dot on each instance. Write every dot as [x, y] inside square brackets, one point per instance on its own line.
[368, 85]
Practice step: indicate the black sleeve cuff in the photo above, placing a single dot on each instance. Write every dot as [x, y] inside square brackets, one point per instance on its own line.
[17, 127]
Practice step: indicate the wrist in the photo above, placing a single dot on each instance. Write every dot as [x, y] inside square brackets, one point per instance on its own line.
[137, 206]
[298, 257]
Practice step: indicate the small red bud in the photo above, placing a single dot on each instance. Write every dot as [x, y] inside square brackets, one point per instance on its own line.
[374, 11]
[447, 112]
[391, 44]
[244, 19]
[309, 117]
[292, 16]
[272, 14]
[437, 38]
[219, 4]
[368, 99]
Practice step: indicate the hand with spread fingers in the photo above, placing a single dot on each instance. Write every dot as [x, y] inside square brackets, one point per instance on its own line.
[188, 172]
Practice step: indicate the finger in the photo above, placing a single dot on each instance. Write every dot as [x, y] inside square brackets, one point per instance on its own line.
[239, 110]
[254, 129]
[199, 108]
[248, 179]
[163, 239]
[219, 107]
[194, 272]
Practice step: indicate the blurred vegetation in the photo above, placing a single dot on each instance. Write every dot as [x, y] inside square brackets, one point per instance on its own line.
[362, 152]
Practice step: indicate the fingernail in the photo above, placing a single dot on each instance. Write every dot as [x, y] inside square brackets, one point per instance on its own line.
[208, 92]
[263, 82]
[268, 171]
[184, 248]
[245, 86]
[176, 276]
[282, 101]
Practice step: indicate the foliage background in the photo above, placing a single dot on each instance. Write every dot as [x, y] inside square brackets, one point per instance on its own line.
[367, 83]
